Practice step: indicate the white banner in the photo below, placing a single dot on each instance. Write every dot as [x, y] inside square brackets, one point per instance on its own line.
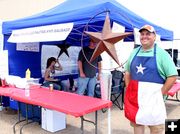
[57, 32]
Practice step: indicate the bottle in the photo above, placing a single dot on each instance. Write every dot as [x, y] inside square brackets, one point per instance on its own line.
[27, 91]
[3, 82]
[51, 87]
[28, 74]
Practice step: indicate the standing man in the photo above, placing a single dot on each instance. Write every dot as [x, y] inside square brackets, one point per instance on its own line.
[87, 71]
[150, 73]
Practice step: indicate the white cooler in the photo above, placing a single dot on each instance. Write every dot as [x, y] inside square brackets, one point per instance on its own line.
[52, 120]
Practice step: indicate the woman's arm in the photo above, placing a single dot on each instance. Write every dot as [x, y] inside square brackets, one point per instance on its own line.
[58, 67]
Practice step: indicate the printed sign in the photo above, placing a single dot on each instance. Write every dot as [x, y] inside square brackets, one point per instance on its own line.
[56, 32]
[31, 47]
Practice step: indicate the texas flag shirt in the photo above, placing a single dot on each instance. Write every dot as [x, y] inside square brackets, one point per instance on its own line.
[143, 100]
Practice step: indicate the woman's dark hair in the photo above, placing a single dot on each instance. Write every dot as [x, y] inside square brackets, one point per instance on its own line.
[49, 61]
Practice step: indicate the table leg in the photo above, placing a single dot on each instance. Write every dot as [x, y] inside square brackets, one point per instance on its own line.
[0, 100]
[95, 123]
[1, 105]
[27, 119]
[82, 124]
[177, 97]
[19, 118]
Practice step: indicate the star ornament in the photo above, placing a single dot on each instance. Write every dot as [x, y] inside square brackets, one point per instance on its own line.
[106, 40]
[63, 48]
[140, 69]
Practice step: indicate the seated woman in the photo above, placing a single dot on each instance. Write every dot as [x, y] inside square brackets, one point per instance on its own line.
[52, 65]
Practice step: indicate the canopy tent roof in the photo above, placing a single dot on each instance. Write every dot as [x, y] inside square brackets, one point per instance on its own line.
[85, 13]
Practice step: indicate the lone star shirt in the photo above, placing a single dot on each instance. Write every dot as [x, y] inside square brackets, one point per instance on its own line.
[143, 100]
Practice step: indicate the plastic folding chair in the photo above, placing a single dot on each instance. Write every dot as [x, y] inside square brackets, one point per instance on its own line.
[117, 89]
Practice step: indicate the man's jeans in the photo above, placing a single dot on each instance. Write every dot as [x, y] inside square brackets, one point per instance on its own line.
[86, 84]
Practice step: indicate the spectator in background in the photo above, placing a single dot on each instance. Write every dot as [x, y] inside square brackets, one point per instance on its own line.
[87, 72]
[150, 73]
[52, 65]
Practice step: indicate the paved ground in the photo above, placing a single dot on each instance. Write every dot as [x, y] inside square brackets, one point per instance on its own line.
[119, 124]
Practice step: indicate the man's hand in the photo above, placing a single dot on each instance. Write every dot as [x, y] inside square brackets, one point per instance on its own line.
[98, 77]
[82, 75]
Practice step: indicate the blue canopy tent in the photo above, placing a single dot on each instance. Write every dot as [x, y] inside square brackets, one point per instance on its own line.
[81, 13]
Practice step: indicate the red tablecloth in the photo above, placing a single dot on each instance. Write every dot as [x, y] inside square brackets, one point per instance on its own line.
[68, 103]
[5, 91]
[175, 88]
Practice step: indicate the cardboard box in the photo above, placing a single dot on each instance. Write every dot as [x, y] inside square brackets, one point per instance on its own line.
[52, 120]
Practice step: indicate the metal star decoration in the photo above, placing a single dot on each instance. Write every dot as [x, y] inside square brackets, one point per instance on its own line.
[106, 40]
[63, 48]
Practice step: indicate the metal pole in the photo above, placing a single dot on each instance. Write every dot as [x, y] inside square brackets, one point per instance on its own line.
[96, 122]
[109, 121]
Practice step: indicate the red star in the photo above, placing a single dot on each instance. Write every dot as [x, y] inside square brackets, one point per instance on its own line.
[106, 40]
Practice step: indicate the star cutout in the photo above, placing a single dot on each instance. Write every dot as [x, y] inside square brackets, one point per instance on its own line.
[63, 48]
[106, 40]
[140, 69]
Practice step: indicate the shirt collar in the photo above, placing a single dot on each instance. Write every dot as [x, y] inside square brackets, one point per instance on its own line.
[146, 51]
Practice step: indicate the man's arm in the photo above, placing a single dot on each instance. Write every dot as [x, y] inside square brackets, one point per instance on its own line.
[127, 78]
[81, 69]
[168, 84]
